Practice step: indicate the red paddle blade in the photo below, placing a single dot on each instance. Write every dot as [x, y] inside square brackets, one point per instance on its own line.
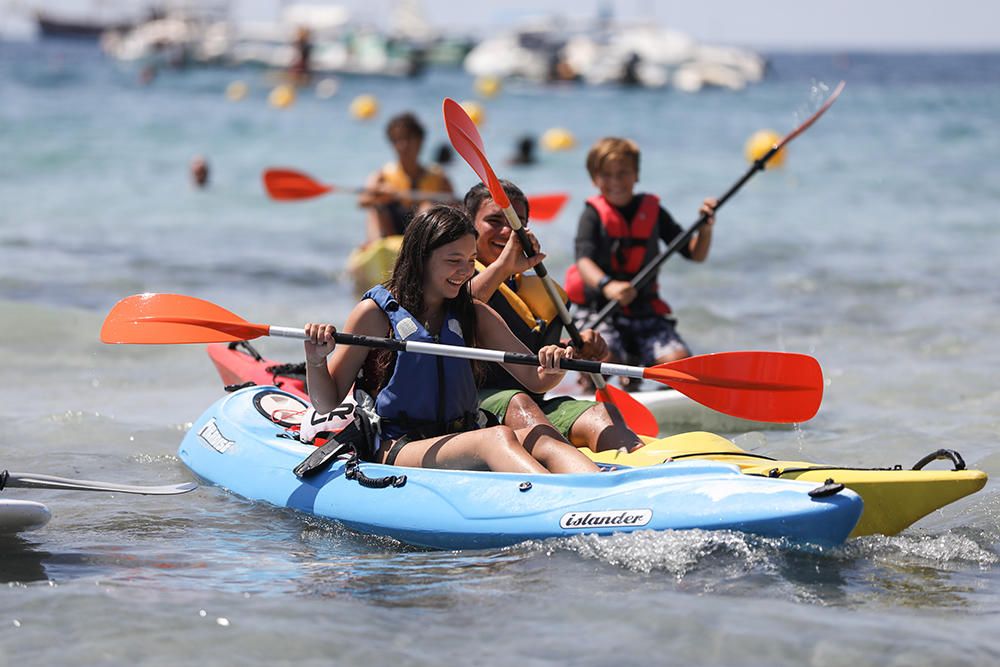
[166, 319]
[543, 208]
[762, 386]
[466, 140]
[636, 415]
[291, 185]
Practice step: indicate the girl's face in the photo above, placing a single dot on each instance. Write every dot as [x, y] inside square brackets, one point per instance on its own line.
[616, 180]
[449, 267]
[493, 229]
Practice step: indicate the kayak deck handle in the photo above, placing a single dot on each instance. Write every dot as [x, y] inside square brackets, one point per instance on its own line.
[949, 454]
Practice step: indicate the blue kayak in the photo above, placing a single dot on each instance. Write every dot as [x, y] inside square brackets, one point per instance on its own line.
[240, 444]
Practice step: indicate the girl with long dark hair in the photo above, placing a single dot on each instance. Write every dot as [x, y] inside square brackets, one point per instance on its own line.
[428, 405]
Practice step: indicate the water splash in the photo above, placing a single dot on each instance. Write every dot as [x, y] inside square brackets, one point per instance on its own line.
[677, 553]
[953, 550]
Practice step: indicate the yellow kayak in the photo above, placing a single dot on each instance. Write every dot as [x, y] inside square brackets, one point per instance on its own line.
[372, 263]
[894, 498]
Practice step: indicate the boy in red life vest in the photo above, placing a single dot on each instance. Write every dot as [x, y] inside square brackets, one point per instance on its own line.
[618, 234]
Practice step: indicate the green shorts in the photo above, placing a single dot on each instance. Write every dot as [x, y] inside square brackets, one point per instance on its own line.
[562, 412]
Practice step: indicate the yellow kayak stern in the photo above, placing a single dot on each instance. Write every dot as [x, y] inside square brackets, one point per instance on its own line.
[894, 498]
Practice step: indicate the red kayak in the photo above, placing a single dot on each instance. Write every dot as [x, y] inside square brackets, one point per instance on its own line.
[239, 363]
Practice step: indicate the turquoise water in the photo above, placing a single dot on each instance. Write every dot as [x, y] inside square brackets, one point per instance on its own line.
[873, 249]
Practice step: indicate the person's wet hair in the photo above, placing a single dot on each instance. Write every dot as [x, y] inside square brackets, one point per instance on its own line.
[479, 193]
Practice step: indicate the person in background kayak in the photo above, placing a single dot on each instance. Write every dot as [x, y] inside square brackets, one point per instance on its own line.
[389, 209]
[527, 309]
[199, 172]
[428, 406]
[619, 233]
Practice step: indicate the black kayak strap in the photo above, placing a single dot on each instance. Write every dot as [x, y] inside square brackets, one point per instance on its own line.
[320, 458]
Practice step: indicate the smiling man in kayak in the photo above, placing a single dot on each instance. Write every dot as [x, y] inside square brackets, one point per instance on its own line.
[526, 308]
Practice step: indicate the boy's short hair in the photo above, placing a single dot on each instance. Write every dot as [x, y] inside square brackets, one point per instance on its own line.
[612, 148]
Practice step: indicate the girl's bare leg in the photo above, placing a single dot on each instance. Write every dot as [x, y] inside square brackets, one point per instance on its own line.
[495, 449]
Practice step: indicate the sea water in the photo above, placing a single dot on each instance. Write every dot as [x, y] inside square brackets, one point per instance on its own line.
[874, 249]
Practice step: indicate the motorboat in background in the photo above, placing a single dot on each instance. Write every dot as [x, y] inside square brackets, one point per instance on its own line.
[204, 34]
[605, 51]
[89, 25]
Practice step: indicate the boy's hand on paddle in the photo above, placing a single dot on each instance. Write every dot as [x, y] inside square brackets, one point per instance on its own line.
[594, 346]
[513, 259]
[319, 343]
[620, 291]
[550, 356]
[708, 209]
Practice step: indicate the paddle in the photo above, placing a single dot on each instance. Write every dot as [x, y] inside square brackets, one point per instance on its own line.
[648, 272]
[27, 480]
[466, 140]
[762, 386]
[292, 185]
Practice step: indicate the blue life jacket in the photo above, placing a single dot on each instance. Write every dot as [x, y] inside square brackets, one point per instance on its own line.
[426, 395]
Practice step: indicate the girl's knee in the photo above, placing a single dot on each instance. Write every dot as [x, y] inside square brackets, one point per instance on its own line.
[522, 410]
[504, 436]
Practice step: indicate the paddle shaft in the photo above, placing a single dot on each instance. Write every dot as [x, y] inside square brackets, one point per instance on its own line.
[460, 352]
[515, 223]
[764, 386]
[34, 481]
[291, 185]
[422, 195]
[648, 272]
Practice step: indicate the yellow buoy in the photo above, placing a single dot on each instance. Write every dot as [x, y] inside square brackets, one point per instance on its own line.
[558, 139]
[282, 96]
[760, 143]
[488, 86]
[236, 91]
[475, 111]
[364, 107]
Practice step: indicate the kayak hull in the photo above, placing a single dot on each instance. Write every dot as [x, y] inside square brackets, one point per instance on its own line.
[17, 516]
[235, 446]
[895, 498]
[236, 365]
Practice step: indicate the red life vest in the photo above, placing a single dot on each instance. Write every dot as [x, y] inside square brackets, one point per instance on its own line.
[633, 242]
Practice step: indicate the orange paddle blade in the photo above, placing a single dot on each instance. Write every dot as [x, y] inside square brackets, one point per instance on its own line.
[543, 208]
[166, 319]
[291, 185]
[466, 140]
[762, 386]
[636, 415]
